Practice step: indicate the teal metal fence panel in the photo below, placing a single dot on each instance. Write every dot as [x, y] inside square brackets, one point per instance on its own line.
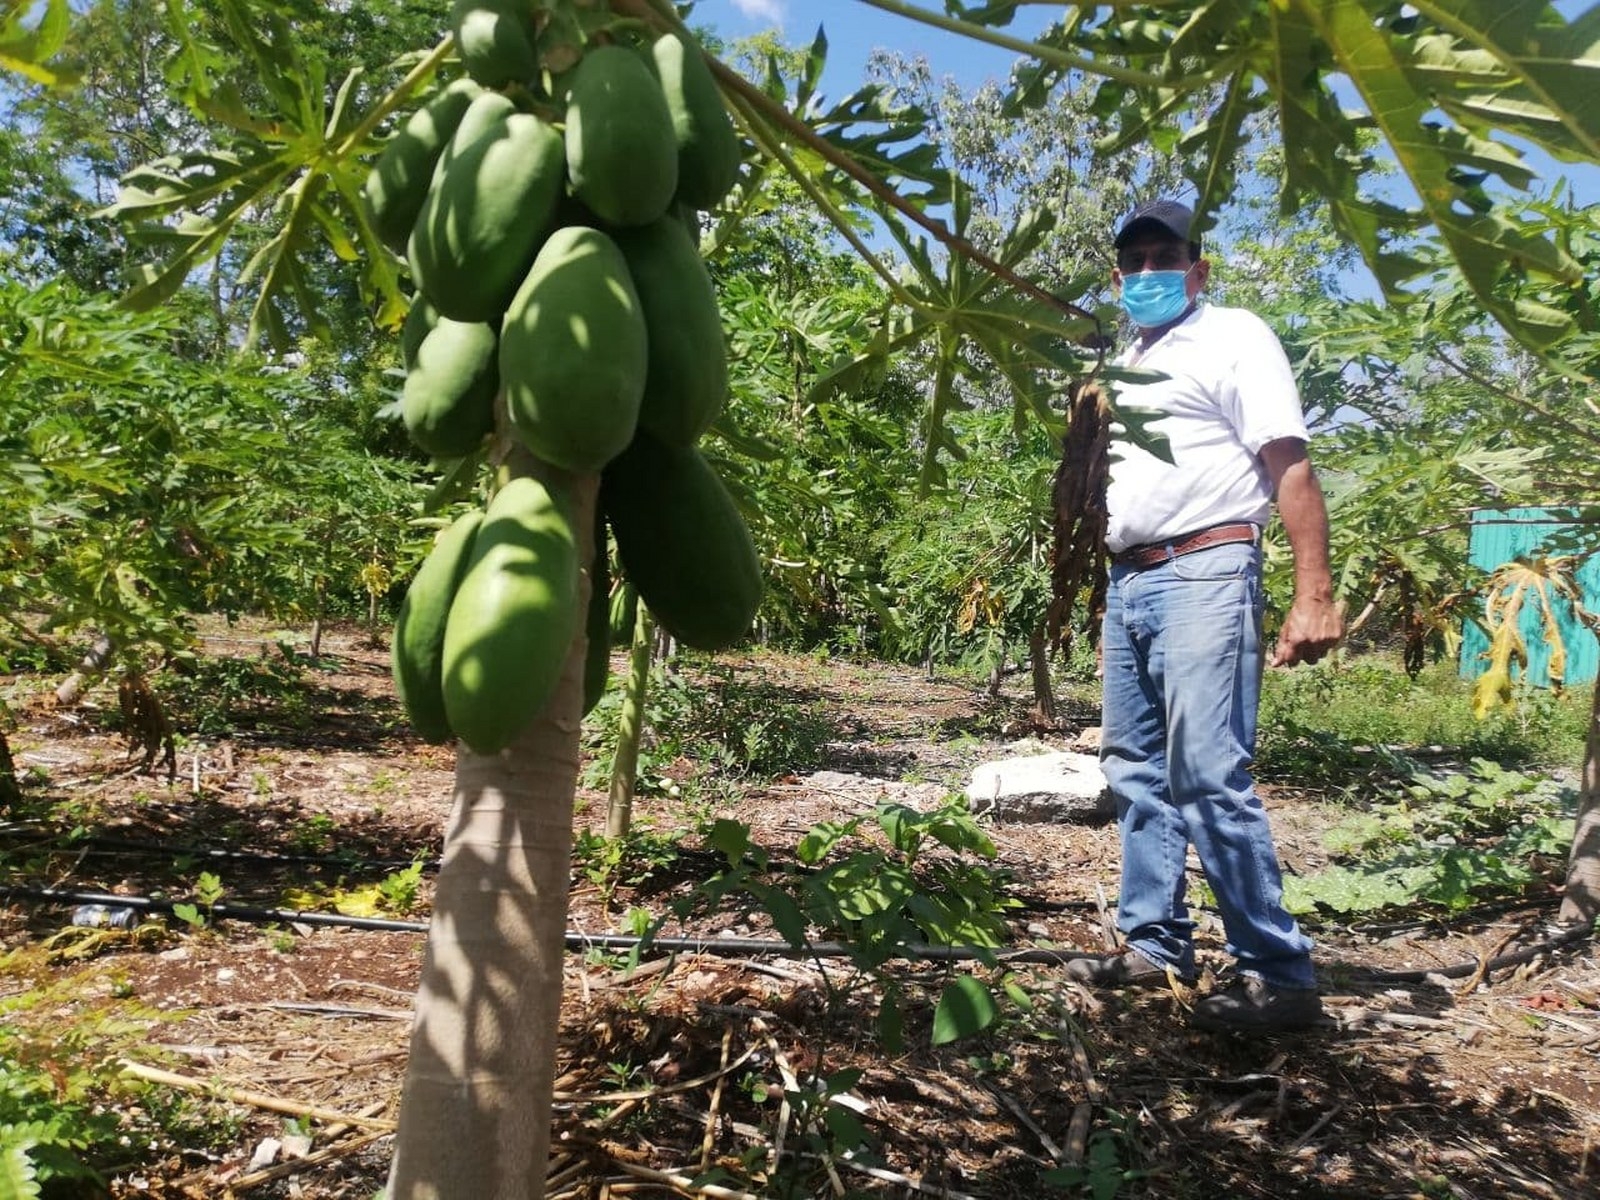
[1500, 537]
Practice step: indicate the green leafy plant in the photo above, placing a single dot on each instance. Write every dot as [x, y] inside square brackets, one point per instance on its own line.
[208, 890]
[1447, 841]
[883, 897]
[1105, 1173]
[1354, 725]
[397, 891]
[212, 697]
[67, 1112]
[312, 835]
[627, 861]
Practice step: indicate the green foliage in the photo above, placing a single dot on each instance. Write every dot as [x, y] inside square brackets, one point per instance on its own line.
[1105, 1173]
[208, 890]
[1343, 721]
[628, 861]
[965, 1007]
[398, 890]
[1436, 82]
[969, 567]
[717, 720]
[216, 697]
[190, 477]
[67, 1113]
[883, 896]
[43, 1136]
[1448, 842]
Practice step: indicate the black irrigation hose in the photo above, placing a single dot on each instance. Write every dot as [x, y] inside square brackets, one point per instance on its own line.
[115, 845]
[1027, 903]
[741, 947]
[575, 940]
[233, 912]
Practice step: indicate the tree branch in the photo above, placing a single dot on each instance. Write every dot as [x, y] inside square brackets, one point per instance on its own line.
[1517, 398]
[774, 114]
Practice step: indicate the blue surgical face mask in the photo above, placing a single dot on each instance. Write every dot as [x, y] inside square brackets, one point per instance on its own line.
[1152, 298]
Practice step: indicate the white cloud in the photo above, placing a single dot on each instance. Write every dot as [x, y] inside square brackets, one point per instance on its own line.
[762, 10]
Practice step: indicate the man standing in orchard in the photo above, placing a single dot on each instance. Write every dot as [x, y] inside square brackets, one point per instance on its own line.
[1182, 643]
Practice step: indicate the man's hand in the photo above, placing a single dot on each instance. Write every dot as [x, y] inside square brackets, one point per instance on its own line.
[1312, 628]
[1315, 623]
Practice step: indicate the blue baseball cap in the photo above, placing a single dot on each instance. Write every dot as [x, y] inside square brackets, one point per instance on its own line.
[1166, 215]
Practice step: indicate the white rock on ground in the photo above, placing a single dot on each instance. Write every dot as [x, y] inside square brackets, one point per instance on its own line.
[1062, 786]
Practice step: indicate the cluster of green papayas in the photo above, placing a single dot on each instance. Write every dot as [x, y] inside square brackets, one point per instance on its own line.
[547, 221]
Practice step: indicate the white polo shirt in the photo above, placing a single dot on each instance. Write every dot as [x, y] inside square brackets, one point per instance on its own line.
[1228, 392]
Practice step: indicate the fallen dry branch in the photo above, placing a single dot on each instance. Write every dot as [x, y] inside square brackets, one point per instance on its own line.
[682, 1184]
[275, 1104]
[687, 1085]
[296, 1166]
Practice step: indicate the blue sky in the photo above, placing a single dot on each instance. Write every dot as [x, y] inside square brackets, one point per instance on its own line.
[855, 30]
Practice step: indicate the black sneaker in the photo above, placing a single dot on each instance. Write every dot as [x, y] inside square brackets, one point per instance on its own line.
[1253, 1005]
[1125, 968]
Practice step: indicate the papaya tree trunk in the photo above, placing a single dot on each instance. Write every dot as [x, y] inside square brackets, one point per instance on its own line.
[997, 676]
[1044, 695]
[630, 728]
[475, 1108]
[94, 662]
[1580, 902]
[10, 792]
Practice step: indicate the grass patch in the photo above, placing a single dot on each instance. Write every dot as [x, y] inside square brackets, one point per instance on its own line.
[1320, 724]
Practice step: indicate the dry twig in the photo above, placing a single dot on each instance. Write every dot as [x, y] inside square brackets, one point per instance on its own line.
[277, 1104]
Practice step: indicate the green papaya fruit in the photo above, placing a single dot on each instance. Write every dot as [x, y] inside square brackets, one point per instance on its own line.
[686, 382]
[421, 317]
[597, 624]
[495, 39]
[489, 209]
[682, 541]
[572, 352]
[513, 617]
[417, 655]
[708, 147]
[448, 400]
[397, 186]
[622, 156]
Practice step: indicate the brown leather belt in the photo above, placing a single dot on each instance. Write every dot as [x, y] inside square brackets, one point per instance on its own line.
[1152, 553]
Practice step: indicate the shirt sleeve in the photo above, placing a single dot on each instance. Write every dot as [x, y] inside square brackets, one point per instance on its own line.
[1265, 400]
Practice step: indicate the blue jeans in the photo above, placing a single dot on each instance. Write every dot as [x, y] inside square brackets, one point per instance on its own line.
[1183, 659]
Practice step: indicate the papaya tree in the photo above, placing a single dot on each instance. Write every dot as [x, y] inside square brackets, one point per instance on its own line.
[1436, 78]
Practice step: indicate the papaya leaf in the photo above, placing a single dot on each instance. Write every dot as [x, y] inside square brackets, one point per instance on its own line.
[27, 48]
[1554, 66]
[1482, 244]
[966, 1006]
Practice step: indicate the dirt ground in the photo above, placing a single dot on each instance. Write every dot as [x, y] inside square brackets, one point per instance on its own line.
[1432, 1076]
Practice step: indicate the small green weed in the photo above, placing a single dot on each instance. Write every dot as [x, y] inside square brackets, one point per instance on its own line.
[1447, 841]
[1105, 1173]
[627, 861]
[397, 891]
[313, 834]
[210, 697]
[208, 890]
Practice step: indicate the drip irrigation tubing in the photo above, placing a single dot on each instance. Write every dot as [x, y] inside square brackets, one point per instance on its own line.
[1028, 903]
[114, 845]
[576, 940]
[108, 844]
[728, 947]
